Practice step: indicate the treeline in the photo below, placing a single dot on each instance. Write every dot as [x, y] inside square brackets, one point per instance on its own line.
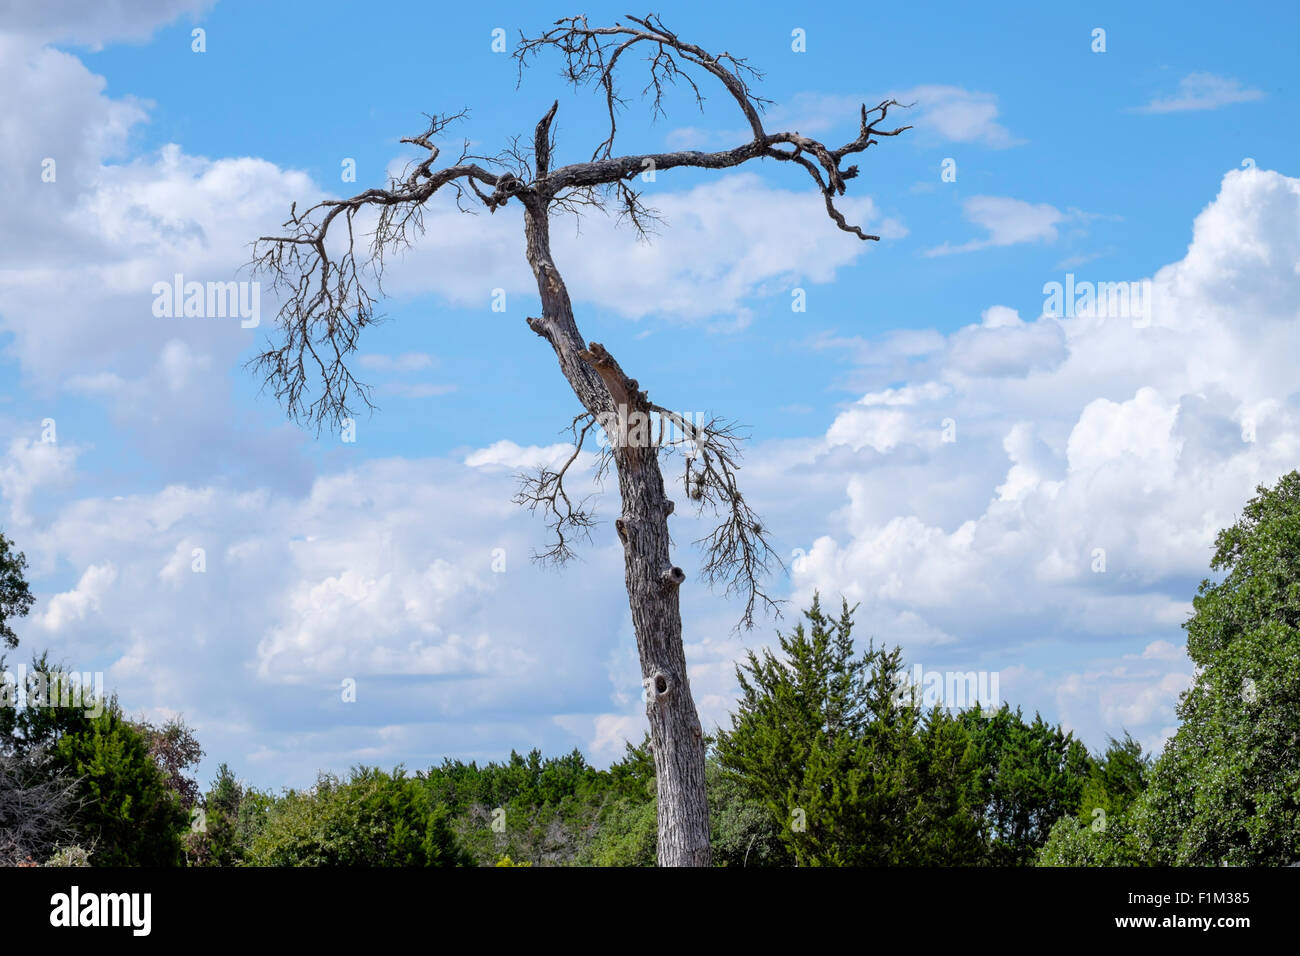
[824, 763]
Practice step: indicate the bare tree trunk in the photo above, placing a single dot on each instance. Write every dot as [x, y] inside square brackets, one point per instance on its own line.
[675, 730]
[652, 580]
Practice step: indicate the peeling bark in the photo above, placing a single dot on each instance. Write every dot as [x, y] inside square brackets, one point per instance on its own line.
[675, 732]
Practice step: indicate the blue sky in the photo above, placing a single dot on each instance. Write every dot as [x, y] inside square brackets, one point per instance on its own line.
[1168, 157]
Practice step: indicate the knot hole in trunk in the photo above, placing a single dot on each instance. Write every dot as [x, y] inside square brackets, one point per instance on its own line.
[658, 686]
[671, 578]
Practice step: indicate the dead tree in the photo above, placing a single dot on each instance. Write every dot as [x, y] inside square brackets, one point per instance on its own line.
[329, 287]
[38, 805]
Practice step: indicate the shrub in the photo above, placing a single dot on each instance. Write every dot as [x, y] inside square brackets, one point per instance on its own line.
[371, 819]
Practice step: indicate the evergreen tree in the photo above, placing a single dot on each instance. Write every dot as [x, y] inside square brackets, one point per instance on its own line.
[125, 808]
[1030, 775]
[129, 815]
[232, 814]
[797, 730]
[945, 825]
[853, 772]
[1119, 777]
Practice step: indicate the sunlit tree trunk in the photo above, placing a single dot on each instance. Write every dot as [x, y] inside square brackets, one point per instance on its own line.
[652, 579]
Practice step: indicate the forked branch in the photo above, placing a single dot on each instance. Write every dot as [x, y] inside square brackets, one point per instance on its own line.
[328, 289]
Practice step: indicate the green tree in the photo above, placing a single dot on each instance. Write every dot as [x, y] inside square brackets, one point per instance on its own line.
[1119, 777]
[1030, 776]
[796, 732]
[944, 815]
[371, 819]
[26, 725]
[625, 824]
[1102, 832]
[541, 810]
[130, 815]
[745, 833]
[126, 810]
[15, 596]
[1105, 841]
[627, 834]
[232, 816]
[852, 771]
[1226, 790]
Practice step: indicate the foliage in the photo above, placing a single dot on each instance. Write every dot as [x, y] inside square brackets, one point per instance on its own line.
[29, 720]
[1119, 778]
[825, 764]
[15, 596]
[744, 832]
[1030, 775]
[69, 856]
[232, 816]
[1226, 790]
[854, 773]
[1101, 834]
[372, 818]
[628, 835]
[122, 806]
[129, 812]
[1107, 841]
[175, 748]
[547, 811]
[799, 740]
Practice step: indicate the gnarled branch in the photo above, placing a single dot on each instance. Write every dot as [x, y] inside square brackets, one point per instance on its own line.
[590, 56]
[329, 297]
